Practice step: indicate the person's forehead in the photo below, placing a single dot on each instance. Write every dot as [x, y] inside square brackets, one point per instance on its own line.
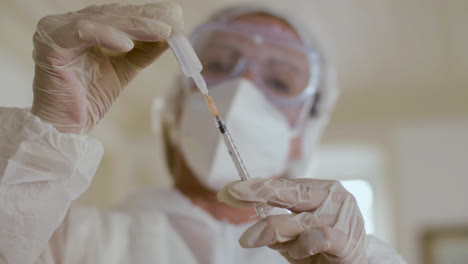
[268, 21]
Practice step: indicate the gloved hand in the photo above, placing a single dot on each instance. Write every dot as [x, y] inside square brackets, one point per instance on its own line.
[84, 59]
[326, 225]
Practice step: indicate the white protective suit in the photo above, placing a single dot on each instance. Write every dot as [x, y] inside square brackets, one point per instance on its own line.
[42, 171]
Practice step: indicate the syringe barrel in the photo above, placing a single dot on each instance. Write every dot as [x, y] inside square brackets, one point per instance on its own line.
[241, 170]
[231, 147]
[183, 50]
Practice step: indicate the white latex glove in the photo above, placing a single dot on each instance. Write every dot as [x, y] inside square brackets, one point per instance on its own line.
[77, 77]
[326, 225]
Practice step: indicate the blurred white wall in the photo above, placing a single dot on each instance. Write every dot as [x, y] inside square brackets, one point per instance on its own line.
[16, 82]
[432, 179]
[402, 68]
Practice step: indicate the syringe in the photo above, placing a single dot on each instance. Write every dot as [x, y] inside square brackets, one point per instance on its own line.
[232, 149]
[192, 67]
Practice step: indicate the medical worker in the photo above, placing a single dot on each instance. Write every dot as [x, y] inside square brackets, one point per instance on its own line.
[275, 91]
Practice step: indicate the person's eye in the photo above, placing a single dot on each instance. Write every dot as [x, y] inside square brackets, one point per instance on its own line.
[278, 85]
[217, 67]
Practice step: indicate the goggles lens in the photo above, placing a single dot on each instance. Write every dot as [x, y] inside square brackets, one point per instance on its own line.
[279, 65]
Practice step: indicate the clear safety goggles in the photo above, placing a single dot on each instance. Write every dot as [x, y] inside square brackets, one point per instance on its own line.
[286, 71]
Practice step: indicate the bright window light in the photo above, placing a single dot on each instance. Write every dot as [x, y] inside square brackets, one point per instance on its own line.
[364, 195]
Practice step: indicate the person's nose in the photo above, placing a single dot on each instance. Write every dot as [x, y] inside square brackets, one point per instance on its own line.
[248, 73]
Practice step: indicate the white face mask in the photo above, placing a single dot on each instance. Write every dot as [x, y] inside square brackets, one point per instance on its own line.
[260, 131]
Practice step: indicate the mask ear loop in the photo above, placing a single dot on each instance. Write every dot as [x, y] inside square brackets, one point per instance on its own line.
[313, 88]
[299, 124]
[310, 91]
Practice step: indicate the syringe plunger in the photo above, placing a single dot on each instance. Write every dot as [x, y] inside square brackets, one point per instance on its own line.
[188, 59]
